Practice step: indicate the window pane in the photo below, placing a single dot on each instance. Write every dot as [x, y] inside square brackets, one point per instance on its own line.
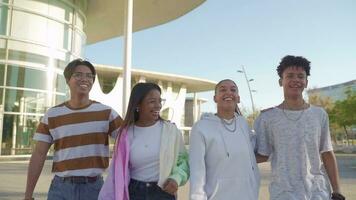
[60, 10]
[40, 6]
[29, 26]
[60, 99]
[26, 77]
[58, 35]
[1, 95]
[3, 19]
[24, 127]
[61, 83]
[2, 74]
[24, 101]
[2, 49]
[29, 57]
[79, 42]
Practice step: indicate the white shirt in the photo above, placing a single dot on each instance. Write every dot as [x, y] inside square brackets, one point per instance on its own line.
[294, 147]
[144, 152]
[222, 161]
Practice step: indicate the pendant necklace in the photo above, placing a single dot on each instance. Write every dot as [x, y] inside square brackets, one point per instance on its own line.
[226, 124]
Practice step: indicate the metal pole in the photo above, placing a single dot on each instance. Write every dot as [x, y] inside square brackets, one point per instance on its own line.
[127, 56]
[249, 89]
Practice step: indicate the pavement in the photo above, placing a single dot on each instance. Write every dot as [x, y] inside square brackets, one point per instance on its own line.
[13, 179]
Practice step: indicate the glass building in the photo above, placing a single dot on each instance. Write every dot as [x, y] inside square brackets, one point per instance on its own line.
[335, 92]
[39, 37]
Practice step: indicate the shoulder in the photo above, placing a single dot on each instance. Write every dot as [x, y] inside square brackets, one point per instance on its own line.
[168, 124]
[268, 112]
[55, 110]
[98, 104]
[267, 109]
[317, 110]
[101, 106]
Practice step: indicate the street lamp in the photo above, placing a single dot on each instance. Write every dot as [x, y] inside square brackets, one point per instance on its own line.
[249, 88]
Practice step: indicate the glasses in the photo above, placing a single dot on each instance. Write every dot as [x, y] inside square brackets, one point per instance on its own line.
[80, 76]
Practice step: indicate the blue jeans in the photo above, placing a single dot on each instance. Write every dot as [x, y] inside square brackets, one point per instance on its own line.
[77, 189]
[147, 191]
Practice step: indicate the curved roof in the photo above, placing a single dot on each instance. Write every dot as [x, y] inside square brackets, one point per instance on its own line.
[192, 84]
[105, 18]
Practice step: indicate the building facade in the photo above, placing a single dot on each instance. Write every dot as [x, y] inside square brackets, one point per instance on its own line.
[39, 37]
[334, 92]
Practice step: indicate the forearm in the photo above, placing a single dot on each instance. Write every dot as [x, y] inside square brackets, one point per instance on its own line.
[331, 168]
[180, 172]
[34, 171]
[35, 167]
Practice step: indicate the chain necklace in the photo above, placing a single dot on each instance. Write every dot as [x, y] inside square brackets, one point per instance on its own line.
[290, 118]
[227, 124]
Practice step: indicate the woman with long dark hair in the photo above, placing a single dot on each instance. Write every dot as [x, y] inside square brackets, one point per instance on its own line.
[150, 160]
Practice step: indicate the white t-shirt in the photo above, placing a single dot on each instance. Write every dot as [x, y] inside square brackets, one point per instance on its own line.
[144, 152]
[294, 147]
[221, 160]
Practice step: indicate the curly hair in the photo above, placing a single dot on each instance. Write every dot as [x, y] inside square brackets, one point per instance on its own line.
[290, 61]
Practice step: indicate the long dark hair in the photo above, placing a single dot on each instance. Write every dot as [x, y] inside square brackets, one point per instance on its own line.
[138, 93]
[237, 110]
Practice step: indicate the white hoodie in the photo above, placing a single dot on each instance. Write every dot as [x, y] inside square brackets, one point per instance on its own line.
[222, 163]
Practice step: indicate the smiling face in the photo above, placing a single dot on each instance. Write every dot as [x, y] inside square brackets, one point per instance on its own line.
[150, 107]
[294, 80]
[227, 95]
[81, 81]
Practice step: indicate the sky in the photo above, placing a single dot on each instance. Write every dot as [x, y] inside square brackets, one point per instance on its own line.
[214, 40]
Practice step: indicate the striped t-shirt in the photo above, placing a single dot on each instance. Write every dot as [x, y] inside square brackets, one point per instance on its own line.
[80, 138]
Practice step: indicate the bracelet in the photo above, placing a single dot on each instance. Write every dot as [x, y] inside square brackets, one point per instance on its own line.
[337, 196]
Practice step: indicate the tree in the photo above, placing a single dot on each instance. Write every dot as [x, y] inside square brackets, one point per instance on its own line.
[344, 113]
[327, 104]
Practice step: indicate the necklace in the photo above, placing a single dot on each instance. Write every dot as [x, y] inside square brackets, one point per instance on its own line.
[290, 118]
[227, 124]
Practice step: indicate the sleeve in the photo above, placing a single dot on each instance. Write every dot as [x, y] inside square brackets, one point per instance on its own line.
[115, 122]
[325, 138]
[42, 132]
[263, 140]
[197, 165]
[180, 172]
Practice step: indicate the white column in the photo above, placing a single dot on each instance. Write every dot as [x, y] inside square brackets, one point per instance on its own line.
[195, 108]
[127, 55]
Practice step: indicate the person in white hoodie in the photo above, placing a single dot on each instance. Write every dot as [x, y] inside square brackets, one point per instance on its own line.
[221, 154]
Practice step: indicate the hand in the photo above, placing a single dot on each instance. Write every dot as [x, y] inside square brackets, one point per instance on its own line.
[170, 186]
[337, 196]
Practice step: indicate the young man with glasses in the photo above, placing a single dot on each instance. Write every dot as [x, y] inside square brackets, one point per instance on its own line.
[79, 130]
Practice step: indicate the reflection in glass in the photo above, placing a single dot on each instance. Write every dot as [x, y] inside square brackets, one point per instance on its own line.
[22, 128]
[29, 26]
[24, 101]
[61, 84]
[2, 74]
[3, 19]
[1, 96]
[60, 99]
[29, 57]
[26, 77]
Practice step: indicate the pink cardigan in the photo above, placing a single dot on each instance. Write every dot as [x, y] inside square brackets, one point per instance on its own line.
[117, 182]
